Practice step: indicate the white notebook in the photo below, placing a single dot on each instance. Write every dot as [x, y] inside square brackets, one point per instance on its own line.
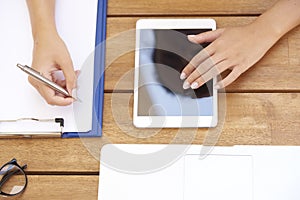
[76, 24]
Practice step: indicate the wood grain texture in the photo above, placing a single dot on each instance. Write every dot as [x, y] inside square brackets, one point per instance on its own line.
[275, 72]
[49, 155]
[251, 118]
[190, 7]
[60, 188]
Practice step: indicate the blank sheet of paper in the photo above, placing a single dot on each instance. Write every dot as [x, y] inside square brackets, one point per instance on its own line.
[218, 177]
[76, 24]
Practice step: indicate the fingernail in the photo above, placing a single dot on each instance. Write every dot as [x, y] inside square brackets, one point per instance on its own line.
[194, 85]
[186, 85]
[182, 76]
[191, 36]
[74, 93]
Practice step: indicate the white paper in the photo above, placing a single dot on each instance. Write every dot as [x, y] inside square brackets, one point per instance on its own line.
[148, 186]
[237, 172]
[218, 177]
[76, 24]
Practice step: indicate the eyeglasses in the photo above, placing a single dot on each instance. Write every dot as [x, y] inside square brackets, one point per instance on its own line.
[13, 179]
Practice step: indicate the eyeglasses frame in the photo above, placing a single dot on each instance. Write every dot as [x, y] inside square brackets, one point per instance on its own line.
[7, 176]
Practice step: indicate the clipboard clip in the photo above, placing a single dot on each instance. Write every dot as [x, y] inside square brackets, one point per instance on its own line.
[59, 121]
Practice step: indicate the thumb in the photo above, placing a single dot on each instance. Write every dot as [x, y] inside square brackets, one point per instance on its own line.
[209, 36]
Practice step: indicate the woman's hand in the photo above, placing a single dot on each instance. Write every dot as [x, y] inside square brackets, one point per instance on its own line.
[239, 48]
[51, 55]
[236, 48]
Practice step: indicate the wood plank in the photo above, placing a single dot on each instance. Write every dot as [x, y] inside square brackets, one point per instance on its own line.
[191, 7]
[61, 187]
[294, 48]
[52, 154]
[276, 71]
[251, 118]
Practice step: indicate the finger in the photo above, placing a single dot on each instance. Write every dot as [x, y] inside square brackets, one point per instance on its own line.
[196, 61]
[69, 73]
[213, 72]
[203, 68]
[77, 72]
[206, 36]
[204, 54]
[51, 98]
[62, 83]
[231, 77]
[49, 94]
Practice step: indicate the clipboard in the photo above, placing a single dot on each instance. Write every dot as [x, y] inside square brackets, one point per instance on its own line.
[99, 67]
[98, 89]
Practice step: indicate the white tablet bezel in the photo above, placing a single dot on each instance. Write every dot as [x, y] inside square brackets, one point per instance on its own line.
[171, 121]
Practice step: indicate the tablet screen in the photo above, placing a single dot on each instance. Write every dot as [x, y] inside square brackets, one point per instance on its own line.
[163, 53]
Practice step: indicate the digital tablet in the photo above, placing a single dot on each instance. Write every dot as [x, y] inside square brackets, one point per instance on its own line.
[162, 51]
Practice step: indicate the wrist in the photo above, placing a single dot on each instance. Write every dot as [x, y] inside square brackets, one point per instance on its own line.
[45, 34]
[265, 31]
[280, 18]
[43, 31]
[270, 26]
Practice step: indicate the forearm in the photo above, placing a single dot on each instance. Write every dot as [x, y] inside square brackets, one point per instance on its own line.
[279, 19]
[42, 18]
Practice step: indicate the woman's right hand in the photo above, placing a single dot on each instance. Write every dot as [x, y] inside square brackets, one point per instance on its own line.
[51, 55]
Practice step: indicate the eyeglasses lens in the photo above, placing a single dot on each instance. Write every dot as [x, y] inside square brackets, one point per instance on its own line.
[13, 179]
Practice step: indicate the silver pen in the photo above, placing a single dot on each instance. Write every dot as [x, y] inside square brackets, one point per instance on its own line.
[37, 75]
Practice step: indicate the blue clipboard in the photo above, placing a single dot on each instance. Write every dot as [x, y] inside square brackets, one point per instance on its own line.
[99, 67]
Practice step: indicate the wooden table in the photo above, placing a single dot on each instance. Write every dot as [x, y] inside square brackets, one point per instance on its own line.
[262, 106]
